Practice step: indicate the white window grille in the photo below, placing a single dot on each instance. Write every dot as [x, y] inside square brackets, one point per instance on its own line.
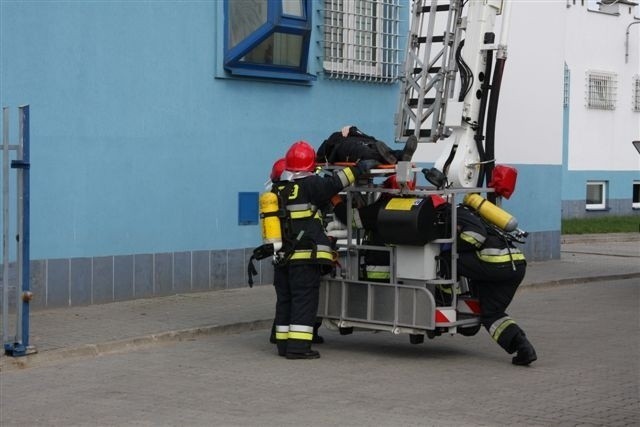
[361, 40]
[596, 195]
[601, 90]
[567, 81]
[635, 93]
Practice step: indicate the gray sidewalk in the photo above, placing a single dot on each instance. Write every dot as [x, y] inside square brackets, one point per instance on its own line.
[84, 331]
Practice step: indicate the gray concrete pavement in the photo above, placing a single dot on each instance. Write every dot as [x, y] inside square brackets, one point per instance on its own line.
[84, 331]
[587, 374]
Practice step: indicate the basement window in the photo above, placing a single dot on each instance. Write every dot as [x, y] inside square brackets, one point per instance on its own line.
[596, 195]
[267, 38]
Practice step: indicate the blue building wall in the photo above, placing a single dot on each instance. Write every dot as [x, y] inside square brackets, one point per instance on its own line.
[139, 152]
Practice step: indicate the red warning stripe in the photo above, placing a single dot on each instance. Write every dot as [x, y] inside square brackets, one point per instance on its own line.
[474, 305]
[441, 318]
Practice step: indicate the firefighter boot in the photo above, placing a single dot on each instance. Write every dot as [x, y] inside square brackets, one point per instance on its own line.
[309, 354]
[317, 339]
[526, 353]
[282, 347]
[385, 153]
[272, 337]
[298, 349]
[409, 148]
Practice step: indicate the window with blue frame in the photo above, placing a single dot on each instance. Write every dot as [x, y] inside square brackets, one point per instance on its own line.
[267, 38]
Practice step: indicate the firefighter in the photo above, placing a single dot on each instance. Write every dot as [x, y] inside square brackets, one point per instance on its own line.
[277, 170]
[495, 269]
[351, 145]
[306, 253]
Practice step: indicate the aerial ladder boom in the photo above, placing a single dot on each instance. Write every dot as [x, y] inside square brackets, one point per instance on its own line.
[453, 42]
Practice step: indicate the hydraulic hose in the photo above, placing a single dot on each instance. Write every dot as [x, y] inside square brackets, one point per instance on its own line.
[479, 136]
[491, 122]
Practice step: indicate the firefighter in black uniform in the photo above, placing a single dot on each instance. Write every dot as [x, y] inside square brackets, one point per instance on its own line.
[277, 170]
[306, 253]
[495, 269]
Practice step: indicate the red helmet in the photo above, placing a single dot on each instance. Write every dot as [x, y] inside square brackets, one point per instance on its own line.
[392, 182]
[278, 167]
[301, 157]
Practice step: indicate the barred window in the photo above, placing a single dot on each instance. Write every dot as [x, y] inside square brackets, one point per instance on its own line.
[601, 90]
[635, 93]
[361, 40]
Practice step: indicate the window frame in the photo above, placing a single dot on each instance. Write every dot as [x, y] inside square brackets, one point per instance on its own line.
[603, 194]
[381, 61]
[602, 84]
[635, 192]
[635, 93]
[277, 22]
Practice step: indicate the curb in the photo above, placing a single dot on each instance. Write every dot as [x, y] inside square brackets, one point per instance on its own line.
[50, 357]
[577, 280]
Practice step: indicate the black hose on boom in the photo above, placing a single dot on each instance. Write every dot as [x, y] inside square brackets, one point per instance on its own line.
[491, 122]
[479, 136]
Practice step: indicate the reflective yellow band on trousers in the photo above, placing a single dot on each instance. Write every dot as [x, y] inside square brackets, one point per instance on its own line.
[499, 326]
[301, 332]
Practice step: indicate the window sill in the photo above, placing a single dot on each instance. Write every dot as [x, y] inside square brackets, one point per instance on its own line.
[271, 75]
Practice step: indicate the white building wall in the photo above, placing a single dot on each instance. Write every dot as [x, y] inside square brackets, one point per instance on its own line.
[529, 124]
[601, 139]
[529, 121]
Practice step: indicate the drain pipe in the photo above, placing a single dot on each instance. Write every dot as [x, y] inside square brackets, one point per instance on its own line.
[626, 42]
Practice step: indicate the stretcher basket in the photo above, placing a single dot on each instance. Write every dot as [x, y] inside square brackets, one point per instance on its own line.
[418, 299]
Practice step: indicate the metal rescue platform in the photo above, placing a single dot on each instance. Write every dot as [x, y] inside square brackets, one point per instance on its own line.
[422, 295]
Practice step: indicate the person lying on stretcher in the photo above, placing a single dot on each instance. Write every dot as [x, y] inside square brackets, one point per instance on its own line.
[352, 145]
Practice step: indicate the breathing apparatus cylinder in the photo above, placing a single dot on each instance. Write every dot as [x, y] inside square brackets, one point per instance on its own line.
[271, 231]
[491, 212]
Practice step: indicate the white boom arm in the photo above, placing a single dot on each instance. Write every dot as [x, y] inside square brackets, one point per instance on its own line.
[460, 160]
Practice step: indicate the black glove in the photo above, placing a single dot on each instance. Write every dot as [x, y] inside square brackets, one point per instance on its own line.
[364, 166]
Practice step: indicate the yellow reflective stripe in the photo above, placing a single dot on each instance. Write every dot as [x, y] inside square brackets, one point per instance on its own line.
[305, 336]
[301, 214]
[306, 254]
[475, 239]
[447, 290]
[499, 326]
[378, 275]
[346, 176]
[301, 328]
[300, 332]
[282, 335]
[501, 258]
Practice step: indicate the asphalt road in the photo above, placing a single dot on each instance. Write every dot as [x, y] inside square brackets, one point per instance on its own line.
[588, 374]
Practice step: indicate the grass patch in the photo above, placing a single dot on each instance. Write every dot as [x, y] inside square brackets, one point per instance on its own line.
[604, 224]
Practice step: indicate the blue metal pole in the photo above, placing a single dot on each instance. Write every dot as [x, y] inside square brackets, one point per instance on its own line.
[21, 345]
[26, 276]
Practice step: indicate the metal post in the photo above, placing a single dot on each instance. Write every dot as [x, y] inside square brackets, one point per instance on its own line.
[5, 225]
[20, 345]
